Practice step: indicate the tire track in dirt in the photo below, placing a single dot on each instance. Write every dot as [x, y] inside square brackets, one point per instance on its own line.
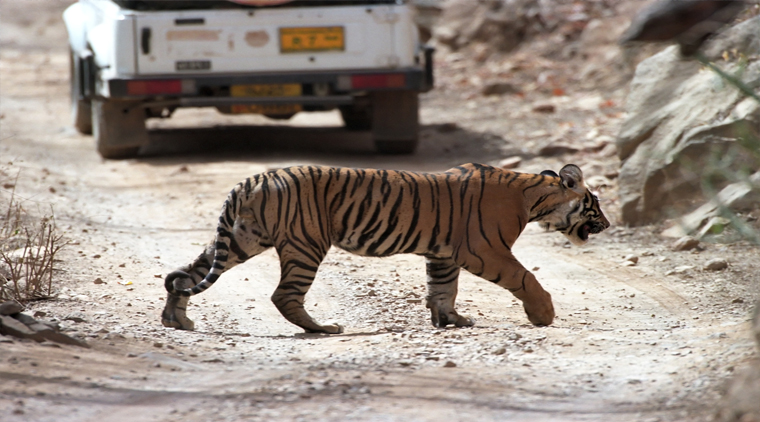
[635, 278]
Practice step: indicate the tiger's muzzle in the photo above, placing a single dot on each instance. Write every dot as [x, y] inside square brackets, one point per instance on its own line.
[592, 227]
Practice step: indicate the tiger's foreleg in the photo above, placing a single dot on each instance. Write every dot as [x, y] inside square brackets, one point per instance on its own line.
[298, 266]
[503, 269]
[442, 285]
[175, 311]
[537, 302]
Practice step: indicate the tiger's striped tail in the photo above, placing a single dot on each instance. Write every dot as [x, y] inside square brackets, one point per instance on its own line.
[221, 250]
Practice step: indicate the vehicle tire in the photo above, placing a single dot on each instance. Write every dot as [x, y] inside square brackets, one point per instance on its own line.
[81, 114]
[395, 121]
[356, 117]
[118, 128]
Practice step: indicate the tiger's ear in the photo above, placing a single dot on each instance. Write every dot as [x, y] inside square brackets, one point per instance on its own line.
[572, 178]
[549, 173]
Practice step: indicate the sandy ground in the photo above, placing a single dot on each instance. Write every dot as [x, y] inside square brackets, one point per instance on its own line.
[656, 341]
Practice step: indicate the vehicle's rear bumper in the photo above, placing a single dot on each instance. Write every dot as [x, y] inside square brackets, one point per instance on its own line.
[334, 87]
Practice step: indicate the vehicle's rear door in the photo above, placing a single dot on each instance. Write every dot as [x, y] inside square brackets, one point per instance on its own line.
[260, 40]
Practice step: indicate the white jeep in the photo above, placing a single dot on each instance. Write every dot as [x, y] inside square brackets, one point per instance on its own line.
[134, 59]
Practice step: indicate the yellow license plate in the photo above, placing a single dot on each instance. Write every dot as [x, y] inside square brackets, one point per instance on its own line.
[266, 90]
[307, 39]
[269, 109]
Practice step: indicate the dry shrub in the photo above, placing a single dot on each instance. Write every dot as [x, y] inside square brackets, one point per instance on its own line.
[28, 246]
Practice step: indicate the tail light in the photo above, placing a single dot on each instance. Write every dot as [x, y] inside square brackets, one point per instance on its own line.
[381, 80]
[161, 86]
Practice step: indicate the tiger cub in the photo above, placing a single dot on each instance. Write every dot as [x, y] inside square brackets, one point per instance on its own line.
[467, 217]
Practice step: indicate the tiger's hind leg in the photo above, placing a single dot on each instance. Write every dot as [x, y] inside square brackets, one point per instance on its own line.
[175, 311]
[246, 241]
[442, 284]
[298, 266]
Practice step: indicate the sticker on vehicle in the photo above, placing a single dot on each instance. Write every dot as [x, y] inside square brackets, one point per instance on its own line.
[185, 65]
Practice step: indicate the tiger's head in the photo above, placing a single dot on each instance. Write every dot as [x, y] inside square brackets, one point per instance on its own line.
[576, 212]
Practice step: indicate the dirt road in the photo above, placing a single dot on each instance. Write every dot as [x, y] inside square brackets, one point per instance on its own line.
[655, 341]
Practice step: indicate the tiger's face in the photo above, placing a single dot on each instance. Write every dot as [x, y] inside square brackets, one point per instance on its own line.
[583, 219]
[580, 215]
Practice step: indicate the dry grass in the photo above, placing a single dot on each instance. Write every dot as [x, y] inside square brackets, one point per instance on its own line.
[28, 247]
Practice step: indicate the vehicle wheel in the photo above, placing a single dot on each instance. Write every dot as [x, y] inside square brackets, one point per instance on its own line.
[356, 117]
[81, 115]
[395, 121]
[118, 128]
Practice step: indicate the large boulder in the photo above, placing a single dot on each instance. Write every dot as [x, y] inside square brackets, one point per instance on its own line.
[684, 120]
[503, 24]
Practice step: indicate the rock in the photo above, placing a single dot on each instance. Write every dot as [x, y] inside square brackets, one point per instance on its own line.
[503, 25]
[448, 127]
[685, 243]
[24, 326]
[552, 150]
[716, 264]
[114, 336]
[98, 281]
[688, 23]
[609, 150]
[510, 163]
[44, 332]
[10, 326]
[737, 196]
[499, 88]
[740, 403]
[544, 108]
[53, 325]
[75, 317]
[10, 308]
[680, 269]
[631, 258]
[597, 182]
[446, 35]
[449, 364]
[678, 117]
[500, 351]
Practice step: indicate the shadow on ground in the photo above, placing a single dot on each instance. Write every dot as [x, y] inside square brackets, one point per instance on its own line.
[441, 145]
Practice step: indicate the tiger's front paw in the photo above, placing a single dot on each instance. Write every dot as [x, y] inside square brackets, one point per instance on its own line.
[540, 314]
